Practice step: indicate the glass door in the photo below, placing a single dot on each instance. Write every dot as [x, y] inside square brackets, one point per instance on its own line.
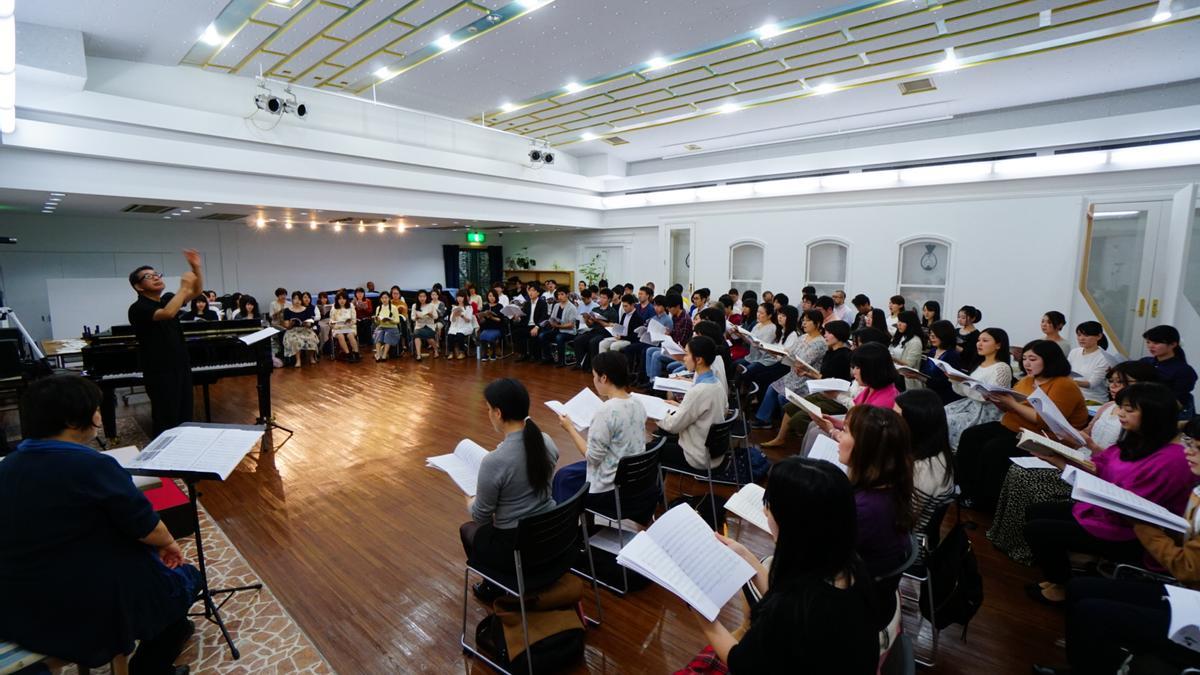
[1120, 280]
[679, 239]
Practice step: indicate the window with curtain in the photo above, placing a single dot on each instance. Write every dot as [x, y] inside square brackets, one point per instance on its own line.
[923, 272]
[826, 267]
[745, 266]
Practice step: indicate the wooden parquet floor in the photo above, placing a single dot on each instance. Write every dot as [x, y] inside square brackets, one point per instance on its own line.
[359, 539]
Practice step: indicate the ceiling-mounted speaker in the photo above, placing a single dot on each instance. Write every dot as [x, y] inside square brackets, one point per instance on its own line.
[548, 157]
[269, 103]
[535, 155]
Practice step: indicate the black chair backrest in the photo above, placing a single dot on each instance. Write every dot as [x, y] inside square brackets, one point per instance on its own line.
[637, 474]
[933, 529]
[719, 435]
[547, 536]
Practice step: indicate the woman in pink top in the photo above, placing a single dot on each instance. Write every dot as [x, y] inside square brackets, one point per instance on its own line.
[1145, 461]
[872, 367]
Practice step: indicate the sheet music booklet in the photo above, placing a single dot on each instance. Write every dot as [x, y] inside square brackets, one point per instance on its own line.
[680, 553]
[833, 384]
[654, 333]
[827, 449]
[656, 408]
[804, 404]
[1097, 491]
[513, 312]
[972, 383]
[462, 464]
[672, 384]
[912, 373]
[1031, 442]
[747, 504]
[196, 450]
[1184, 628]
[670, 346]
[616, 330]
[1053, 417]
[580, 409]
[123, 456]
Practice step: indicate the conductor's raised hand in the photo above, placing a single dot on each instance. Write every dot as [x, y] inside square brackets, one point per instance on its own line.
[186, 282]
[193, 258]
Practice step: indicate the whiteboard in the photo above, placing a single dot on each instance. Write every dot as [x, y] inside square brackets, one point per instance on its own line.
[104, 302]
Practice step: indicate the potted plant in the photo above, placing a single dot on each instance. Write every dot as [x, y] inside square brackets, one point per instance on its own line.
[520, 260]
[595, 270]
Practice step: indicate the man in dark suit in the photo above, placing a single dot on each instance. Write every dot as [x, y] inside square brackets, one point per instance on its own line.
[525, 331]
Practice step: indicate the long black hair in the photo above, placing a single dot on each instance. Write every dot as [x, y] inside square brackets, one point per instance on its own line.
[1160, 413]
[1093, 329]
[875, 367]
[813, 506]
[933, 306]
[716, 333]
[912, 329]
[791, 322]
[1054, 362]
[946, 334]
[1003, 347]
[925, 415]
[511, 398]
[1166, 335]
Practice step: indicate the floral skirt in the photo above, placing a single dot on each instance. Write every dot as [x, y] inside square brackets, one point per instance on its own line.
[299, 339]
[1023, 487]
[966, 413]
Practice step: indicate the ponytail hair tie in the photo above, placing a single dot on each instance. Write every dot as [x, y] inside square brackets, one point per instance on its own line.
[528, 418]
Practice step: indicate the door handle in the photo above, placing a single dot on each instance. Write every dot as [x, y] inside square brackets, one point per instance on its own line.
[1141, 310]
[1154, 308]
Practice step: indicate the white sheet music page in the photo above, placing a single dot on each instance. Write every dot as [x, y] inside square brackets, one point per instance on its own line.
[1185, 616]
[1097, 491]
[259, 336]
[462, 465]
[747, 504]
[827, 449]
[828, 384]
[803, 403]
[580, 409]
[671, 346]
[681, 553]
[656, 408]
[1053, 417]
[197, 449]
[672, 384]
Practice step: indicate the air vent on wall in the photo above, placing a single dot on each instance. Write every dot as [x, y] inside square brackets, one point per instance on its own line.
[147, 208]
[615, 140]
[223, 216]
[917, 86]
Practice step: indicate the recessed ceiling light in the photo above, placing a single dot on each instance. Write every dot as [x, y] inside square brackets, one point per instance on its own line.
[573, 87]
[54, 199]
[507, 107]
[383, 73]
[260, 222]
[658, 62]
[177, 213]
[361, 227]
[433, 224]
[287, 225]
[337, 227]
[768, 31]
[825, 88]
[304, 213]
[588, 136]
[58, 194]
[950, 62]
[196, 207]
[532, 4]
[381, 227]
[729, 108]
[47, 211]
[446, 42]
[185, 210]
[208, 203]
[1163, 13]
[211, 37]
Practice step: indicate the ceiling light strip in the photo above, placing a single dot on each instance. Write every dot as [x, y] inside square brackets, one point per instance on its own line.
[965, 62]
[236, 16]
[481, 26]
[1158, 155]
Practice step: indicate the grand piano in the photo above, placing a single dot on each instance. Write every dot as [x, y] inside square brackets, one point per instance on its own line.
[215, 350]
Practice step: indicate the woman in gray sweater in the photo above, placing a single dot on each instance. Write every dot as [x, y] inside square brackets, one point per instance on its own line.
[514, 479]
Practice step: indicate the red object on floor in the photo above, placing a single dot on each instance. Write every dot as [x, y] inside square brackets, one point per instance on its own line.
[167, 496]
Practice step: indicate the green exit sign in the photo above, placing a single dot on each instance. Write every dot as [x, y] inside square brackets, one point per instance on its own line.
[475, 237]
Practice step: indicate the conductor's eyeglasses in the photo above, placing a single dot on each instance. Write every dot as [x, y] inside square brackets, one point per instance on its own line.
[150, 275]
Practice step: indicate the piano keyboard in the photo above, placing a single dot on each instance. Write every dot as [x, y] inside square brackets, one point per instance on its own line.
[195, 369]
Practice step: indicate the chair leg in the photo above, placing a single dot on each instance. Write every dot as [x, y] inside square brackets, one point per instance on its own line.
[524, 616]
[712, 500]
[587, 546]
[466, 587]
[621, 540]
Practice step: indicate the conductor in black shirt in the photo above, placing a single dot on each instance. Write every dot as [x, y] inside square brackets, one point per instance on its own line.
[162, 352]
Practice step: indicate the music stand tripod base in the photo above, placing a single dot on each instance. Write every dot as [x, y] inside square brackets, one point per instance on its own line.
[272, 424]
[212, 610]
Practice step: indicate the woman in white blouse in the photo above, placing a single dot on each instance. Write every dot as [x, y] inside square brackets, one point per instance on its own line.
[462, 326]
[908, 344]
[342, 320]
[425, 316]
[973, 409]
[764, 330]
[618, 430]
[810, 348]
[1090, 361]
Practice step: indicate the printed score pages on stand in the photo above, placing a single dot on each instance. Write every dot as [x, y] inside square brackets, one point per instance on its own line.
[462, 464]
[196, 450]
[680, 553]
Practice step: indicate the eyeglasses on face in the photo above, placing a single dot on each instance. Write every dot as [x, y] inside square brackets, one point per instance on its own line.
[150, 275]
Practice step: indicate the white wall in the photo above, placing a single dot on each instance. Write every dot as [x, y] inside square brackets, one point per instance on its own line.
[568, 250]
[236, 257]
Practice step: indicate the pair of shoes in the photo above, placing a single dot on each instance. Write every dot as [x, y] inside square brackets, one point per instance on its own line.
[487, 592]
[1039, 669]
[756, 423]
[417, 357]
[461, 357]
[1034, 591]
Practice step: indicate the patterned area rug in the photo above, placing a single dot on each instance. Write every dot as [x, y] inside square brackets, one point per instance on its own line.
[268, 638]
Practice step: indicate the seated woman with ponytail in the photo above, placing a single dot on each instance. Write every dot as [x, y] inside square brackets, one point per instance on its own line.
[514, 479]
[1090, 361]
[817, 610]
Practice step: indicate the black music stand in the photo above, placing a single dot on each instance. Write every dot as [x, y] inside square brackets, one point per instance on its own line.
[212, 609]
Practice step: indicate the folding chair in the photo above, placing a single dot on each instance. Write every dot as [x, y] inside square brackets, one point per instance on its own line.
[636, 476]
[549, 541]
[926, 542]
[718, 444]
